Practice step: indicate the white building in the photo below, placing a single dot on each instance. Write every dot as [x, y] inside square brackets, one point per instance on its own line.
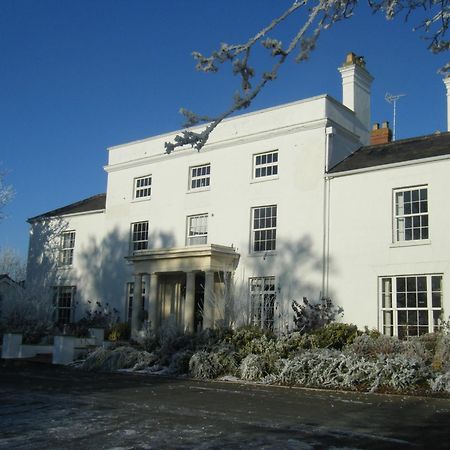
[283, 203]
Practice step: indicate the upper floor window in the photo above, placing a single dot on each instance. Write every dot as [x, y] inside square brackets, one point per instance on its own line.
[264, 228]
[143, 187]
[197, 229]
[265, 164]
[411, 214]
[66, 250]
[410, 305]
[139, 235]
[200, 177]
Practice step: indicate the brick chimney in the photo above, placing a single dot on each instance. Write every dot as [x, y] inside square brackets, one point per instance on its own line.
[356, 83]
[381, 135]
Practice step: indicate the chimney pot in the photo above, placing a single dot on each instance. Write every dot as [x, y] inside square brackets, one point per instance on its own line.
[375, 126]
[385, 124]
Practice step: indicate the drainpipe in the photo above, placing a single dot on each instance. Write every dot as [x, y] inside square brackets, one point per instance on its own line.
[329, 132]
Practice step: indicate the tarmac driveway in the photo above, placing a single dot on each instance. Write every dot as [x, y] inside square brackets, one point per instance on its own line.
[56, 408]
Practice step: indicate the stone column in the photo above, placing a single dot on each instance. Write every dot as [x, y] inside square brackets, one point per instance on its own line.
[189, 306]
[153, 302]
[209, 302]
[136, 314]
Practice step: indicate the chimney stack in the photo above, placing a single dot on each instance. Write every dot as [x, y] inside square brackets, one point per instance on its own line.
[381, 135]
[446, 81]
[356, 82]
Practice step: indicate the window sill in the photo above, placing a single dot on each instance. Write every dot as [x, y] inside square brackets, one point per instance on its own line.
[263, 179]
[410, 243]
[195, 191]
[65, 267]
[264, 255]
[139, 200]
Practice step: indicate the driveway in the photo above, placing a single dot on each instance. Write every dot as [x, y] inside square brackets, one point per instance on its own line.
[49, 407]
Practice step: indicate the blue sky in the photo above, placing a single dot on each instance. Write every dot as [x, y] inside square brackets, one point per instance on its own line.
[79, 76]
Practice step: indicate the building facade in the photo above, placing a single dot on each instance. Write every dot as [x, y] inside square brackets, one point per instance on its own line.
[280, 204]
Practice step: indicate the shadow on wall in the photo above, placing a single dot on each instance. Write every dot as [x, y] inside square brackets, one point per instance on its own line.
[108, 272]
[43, 256]
[299, 271]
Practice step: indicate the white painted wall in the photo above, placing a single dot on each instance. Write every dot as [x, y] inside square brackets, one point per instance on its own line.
[362, 248]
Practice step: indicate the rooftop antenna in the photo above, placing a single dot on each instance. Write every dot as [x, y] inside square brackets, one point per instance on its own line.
[390, 98]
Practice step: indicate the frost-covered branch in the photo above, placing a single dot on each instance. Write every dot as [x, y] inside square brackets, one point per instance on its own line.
[6, 194]
[318, 15]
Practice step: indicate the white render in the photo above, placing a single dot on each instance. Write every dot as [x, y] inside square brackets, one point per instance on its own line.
[333, 232]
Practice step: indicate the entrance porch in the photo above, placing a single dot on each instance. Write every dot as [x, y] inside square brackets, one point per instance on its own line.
[186, 285]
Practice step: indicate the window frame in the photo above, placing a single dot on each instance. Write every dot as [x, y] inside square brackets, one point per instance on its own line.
[392, 315]
[66, 252]
[422, 217]
[272, 230]
[64, 314]
[203, 186]
[263, 166]
[199, 236]
[137, 189]
[262, 301]
[139, 244]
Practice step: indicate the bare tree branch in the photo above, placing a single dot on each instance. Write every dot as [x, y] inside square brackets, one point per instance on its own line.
[320, 15]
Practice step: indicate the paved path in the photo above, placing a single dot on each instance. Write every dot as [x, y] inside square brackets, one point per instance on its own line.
[55, 408]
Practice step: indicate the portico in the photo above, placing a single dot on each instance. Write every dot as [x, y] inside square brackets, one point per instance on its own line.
[185, 284]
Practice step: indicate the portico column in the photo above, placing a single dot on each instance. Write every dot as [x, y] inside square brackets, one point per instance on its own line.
[136, 314]
[209, 301]
[189, 305]
[153, 301]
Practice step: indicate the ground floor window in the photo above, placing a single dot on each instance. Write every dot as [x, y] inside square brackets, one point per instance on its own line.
[64, 303]
[262, 301]
[411, 305]
[130, 296]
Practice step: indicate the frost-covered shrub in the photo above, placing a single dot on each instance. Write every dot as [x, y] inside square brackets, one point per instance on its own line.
[256, 367]
[441, 360]
[179, 362]
[289, 345]
[243, 337]
[258, 346]
[335, 335]
[372, 346]
[328, 368]
[209, 365]
[309, 316]
[401, 372]
[441, 383]
[119, 358]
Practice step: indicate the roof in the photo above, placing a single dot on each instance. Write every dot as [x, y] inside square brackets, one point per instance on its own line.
[94, 203]
[394, 152]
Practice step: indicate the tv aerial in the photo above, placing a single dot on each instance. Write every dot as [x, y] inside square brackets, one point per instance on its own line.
[393, 99]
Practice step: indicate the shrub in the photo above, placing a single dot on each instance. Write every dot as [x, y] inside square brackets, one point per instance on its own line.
[335, 335]
[441, 360]
[242, 338]
[105, 360]
[311, 316]
[119, 332]
[372, 346]
[206, 365]
[255, 367]
[293, 343]
[441, 383]
[179, 362]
